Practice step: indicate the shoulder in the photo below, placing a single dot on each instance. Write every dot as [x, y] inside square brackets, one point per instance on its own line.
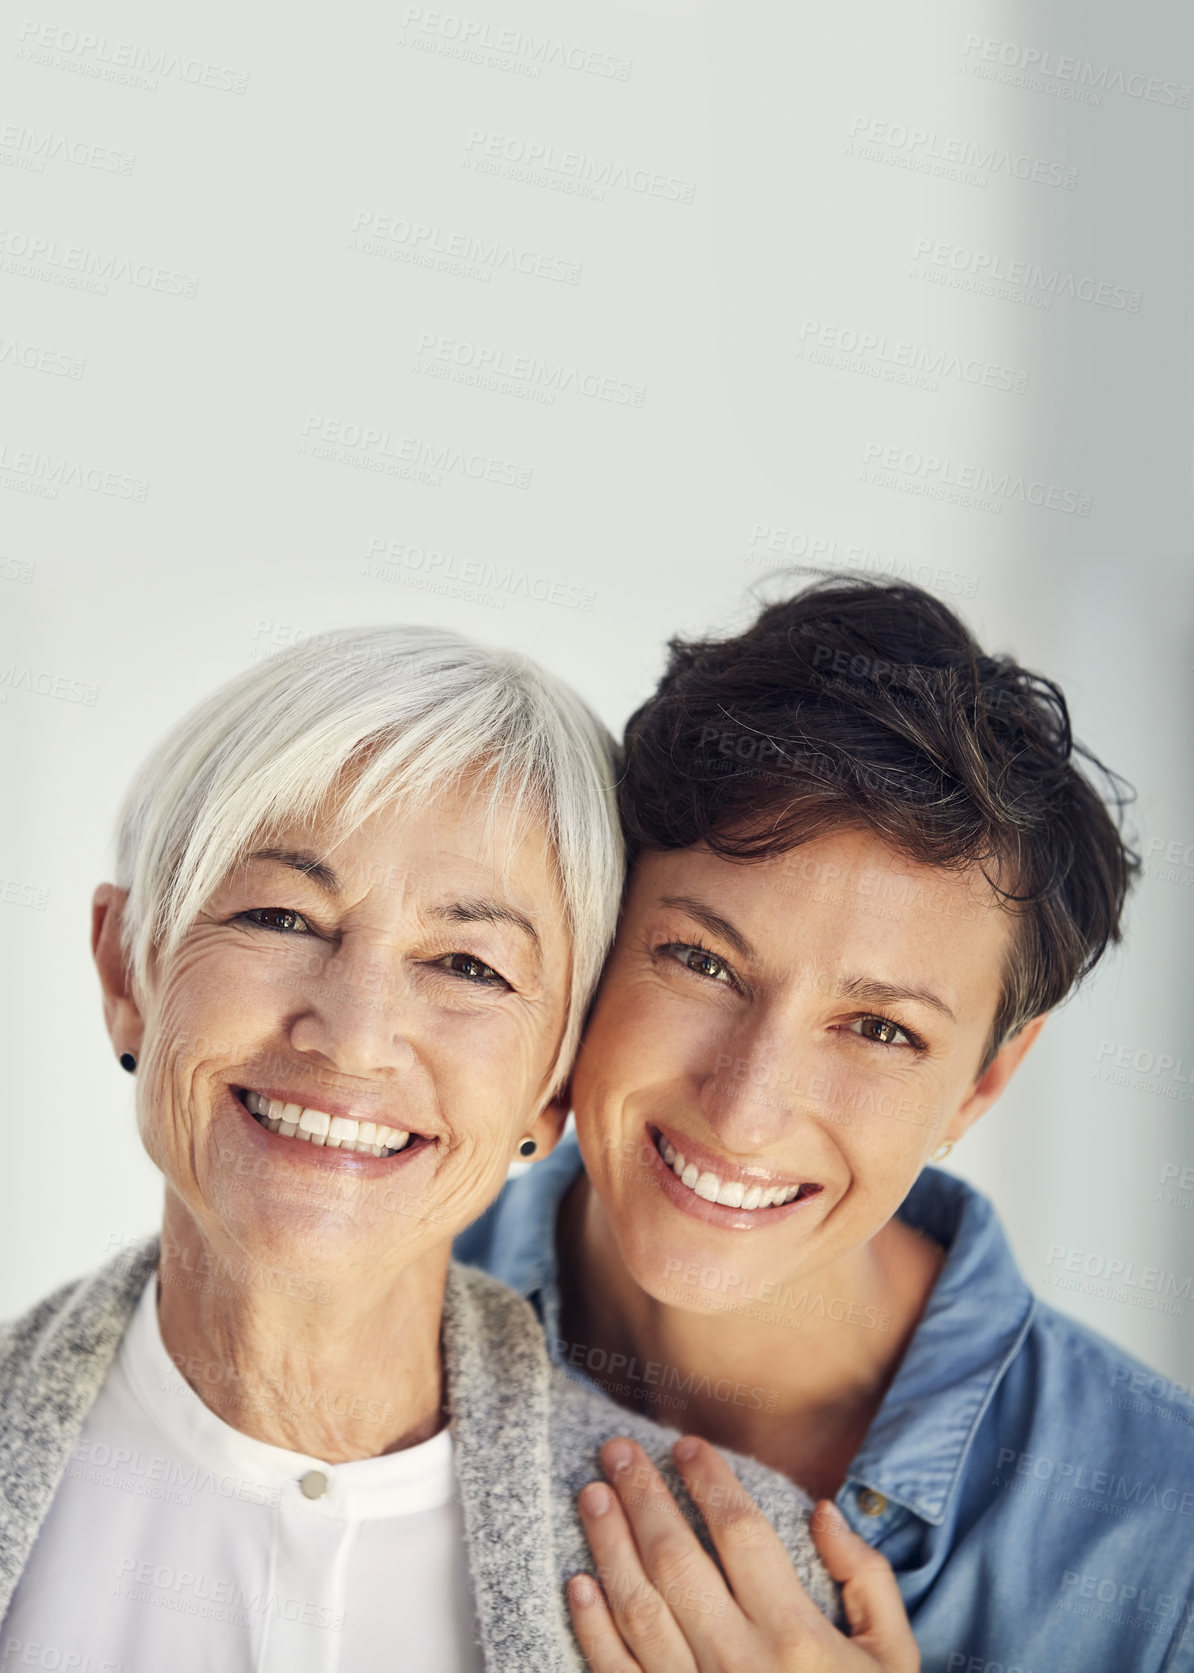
[53, 1362]
[1084, 1438]
[1099, 1391]
[583, 1419]
[86, 1316]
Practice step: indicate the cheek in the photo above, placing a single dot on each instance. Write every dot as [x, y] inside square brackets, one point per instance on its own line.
[636, 1037]
[215, 1005]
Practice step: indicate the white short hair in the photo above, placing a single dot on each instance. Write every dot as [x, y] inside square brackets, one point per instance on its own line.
[412, 710]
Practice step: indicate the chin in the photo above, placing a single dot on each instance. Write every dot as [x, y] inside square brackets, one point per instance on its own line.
[299, 1240]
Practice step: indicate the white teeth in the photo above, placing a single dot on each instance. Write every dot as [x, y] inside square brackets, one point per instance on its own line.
[313, 1126]
[732, 1193]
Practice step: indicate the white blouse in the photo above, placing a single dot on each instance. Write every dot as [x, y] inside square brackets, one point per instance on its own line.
[176, 1542]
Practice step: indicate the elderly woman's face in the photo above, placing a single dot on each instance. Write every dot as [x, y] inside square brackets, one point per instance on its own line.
[414, 977]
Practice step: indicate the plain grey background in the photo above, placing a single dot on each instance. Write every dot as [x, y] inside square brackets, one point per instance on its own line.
[569, 326]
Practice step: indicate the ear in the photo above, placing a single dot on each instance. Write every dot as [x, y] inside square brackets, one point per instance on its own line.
[548, 1126]
[991, 1083]
[122, 1014]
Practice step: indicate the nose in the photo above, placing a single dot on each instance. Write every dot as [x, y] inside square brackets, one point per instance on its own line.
[354, 1012]
[750, 1092]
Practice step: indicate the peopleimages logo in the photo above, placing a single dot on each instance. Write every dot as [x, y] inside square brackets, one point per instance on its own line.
[506, 372]
[425, 245]
[76, 266]
[51, 473]
[368, 447]
[925, 151]
[848, 347]
[991, 268]
[1038, 65]
[520, 157]
[479, 42]
[100, 55]
[934, 477]
[35, 149]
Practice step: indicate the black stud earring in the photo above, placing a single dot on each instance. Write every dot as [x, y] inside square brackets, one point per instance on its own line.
[129, 1062]
[528, 1147]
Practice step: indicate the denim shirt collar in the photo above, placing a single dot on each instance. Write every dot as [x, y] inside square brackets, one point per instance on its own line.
[977, 1317]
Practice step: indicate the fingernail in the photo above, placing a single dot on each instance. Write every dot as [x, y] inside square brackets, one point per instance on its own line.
[584, 1591]
[618, 1456]
[685, 1450]
[596, 1498]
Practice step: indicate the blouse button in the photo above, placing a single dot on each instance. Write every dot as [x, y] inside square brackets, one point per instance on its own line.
[314, 1485]
[870, 1503]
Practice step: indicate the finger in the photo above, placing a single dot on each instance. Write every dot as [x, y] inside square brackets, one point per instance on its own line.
[599, 1639]
[756, 1561]
[671, 1554]
[870, 1591]
[647, 1626]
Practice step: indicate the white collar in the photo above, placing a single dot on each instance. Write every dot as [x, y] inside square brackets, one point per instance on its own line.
[398, 1483]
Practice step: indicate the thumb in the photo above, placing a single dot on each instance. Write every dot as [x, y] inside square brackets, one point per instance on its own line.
[870, 1593]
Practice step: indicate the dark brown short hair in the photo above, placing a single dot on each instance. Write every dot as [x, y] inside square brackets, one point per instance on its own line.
[868, 705]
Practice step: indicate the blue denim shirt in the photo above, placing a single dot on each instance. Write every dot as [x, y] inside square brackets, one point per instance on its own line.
[1031, 1485]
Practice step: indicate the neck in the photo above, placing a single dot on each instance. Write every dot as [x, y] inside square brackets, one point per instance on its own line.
[793, 1376]
[337, 1368]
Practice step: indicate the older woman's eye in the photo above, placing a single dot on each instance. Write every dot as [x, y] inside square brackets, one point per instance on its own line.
[276, 917]
[473, 969]
[699, 960]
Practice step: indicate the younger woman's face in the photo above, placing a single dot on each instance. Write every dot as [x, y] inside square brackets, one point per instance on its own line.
[776, 1049]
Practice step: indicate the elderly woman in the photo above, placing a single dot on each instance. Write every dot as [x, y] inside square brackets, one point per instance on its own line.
[364, 893]
[866, 866]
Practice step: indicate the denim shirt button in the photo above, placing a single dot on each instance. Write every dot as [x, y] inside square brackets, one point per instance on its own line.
[871, 1503]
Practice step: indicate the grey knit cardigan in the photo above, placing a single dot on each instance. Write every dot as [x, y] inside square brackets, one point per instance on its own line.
[526, 1440]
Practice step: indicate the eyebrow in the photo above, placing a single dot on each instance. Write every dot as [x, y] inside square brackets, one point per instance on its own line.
[890, 993]
[320, 873]
[713, 922]
[478, 910]
[867, 988]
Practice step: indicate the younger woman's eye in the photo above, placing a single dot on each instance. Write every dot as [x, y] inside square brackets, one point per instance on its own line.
[699, 960]
[279, 918]
[473, 969]
[884, 1032]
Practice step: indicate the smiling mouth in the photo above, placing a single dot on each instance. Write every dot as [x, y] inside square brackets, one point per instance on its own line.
[334, 1132]
[731, 1193]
